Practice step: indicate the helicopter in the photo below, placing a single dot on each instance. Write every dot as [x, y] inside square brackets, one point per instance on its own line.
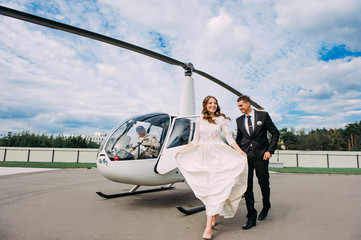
[121, 157]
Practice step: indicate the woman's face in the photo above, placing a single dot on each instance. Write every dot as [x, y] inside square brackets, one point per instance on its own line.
[212, 105]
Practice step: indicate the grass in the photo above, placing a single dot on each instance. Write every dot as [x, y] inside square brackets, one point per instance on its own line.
[345, 171]
[47, 164]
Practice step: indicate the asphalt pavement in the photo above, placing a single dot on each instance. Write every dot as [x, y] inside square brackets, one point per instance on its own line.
[63, 204]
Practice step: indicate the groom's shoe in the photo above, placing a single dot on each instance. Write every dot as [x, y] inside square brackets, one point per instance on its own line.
[249, 224]
[263, 215]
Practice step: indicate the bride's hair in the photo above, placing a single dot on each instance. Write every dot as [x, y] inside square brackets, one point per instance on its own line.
[207, 115]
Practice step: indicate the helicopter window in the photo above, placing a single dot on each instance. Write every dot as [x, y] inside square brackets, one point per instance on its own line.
[182, 133]
[138, 138]
[156, 131]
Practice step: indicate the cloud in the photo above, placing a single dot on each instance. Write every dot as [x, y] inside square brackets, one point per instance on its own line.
[321, 19]
[224, 40]
[278, 52]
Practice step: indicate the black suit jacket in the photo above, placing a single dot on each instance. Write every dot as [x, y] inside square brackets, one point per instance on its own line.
[262, 124]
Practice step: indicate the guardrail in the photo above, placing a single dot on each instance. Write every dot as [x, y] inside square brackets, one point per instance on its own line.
[80, 155]
[281, 158]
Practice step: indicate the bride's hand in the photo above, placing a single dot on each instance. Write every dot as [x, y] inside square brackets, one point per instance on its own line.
[176, 155]
[244, 154]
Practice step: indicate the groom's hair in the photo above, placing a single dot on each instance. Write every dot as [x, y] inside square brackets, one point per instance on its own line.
[244, 98]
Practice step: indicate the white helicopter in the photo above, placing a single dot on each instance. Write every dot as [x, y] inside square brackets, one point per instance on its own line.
[120, 157]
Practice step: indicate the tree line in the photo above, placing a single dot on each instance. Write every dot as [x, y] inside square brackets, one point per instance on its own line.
[27, 139]
[347, 139]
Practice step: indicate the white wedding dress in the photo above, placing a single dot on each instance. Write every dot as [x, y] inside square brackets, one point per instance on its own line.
[215, 172]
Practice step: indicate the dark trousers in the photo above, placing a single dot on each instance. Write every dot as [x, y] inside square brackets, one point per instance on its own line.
[261, 166]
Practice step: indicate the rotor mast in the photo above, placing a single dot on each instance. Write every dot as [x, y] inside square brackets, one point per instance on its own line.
[187, 102]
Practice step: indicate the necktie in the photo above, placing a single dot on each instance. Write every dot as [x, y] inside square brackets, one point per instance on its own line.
[250, 128]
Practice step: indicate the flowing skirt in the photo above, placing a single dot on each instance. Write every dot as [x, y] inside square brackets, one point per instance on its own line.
[217, 174]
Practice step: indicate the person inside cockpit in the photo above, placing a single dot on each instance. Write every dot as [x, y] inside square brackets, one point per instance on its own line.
[146, 145]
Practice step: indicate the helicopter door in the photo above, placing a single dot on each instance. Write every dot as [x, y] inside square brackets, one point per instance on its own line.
[182, 132]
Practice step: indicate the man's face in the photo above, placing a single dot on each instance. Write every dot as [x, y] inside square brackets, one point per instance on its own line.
[245, 107]
[141, 133]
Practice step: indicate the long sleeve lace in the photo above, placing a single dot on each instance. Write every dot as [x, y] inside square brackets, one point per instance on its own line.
[226, 132]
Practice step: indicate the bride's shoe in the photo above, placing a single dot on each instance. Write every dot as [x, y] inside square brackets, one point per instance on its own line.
[206, 236]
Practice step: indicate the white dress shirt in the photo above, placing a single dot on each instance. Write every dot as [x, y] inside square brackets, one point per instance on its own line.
[246, 120]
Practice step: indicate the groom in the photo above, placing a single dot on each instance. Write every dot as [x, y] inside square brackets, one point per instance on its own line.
[252, 128]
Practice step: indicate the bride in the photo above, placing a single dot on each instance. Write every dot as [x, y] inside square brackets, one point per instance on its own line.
[216, 173]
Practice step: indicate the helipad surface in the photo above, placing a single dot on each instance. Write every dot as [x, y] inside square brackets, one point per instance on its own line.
[62, 204]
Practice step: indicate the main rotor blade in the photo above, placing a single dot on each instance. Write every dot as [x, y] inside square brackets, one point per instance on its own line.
[219, 82]
[78, 31]
[92, 35]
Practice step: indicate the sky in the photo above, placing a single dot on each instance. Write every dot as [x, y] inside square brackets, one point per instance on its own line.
[300, 60]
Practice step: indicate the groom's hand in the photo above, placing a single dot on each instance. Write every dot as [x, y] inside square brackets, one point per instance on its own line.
[266, 156]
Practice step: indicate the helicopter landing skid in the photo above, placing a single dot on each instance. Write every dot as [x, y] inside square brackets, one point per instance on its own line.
[192, 210]
[133, 192]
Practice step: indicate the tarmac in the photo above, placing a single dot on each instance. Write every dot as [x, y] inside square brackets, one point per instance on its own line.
[63, 204]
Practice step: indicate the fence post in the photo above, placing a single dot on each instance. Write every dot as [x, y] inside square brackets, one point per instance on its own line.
[358, 161]
[77, 157]
[52, 157]
[28, 160]
[278, 155]
[297, 159]
[5, 154]
[328, 161]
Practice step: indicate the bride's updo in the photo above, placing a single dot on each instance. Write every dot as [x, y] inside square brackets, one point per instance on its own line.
[206, 114]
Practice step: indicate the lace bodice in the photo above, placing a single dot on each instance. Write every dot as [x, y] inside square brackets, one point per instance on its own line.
[207, 132]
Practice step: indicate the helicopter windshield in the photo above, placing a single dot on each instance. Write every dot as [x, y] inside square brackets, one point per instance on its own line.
[138, 138]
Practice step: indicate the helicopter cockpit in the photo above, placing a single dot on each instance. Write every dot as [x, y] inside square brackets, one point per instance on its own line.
[138, 138]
